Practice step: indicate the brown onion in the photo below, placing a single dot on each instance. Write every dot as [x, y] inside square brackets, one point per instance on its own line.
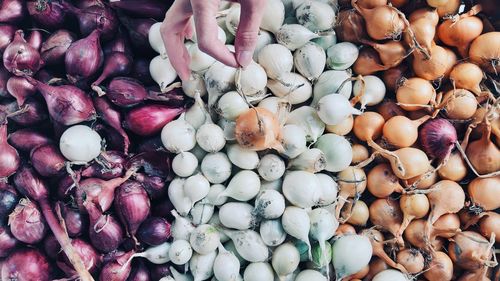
[485, 51]
[483, 154]
[440, 268]
[382, 22]
[368, 62]
[350, 26]
[489, 225]
[470, 250]
[484, 192]
[438, 66]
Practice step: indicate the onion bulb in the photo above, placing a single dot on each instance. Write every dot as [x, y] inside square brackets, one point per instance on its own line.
[485, 51]
[258, 129]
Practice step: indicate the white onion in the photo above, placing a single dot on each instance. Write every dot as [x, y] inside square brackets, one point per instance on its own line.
[390, 275]
[337, 150]
[194, 84]
[264, 38]
[179, 200]
[285, 259]
[236, 215]
[270, 204]
[311, 160]
[80, 144]
[202, 265]
[201, 213]
[233, 18]
[294, 36]
[253, 79]
[294, 140]
[242, 157]
[274, 15]
[351, 253]
[272, 232]
[244, 186]
[210, 137]
[310, 60]
[310, 275]
[276, 59]
[272, 104]
[162, 72]
[271, 167]
[302, 189]
[181, 227]
[326, 41]
[180, 252]
[231, 105]
[329, 82]
[213, 195]
[204, 239]
[178, 135]
[316, 15]
[155, 39]
[292, 87]
[196, 187]
[226, 265]
[216, 167]
[341, 56]
[296, 223]
[374, 90]
[329, 189]
[335, 108]
[258, 271]
[249, 245]
[199, 60]
[307, 118]
[184, 164]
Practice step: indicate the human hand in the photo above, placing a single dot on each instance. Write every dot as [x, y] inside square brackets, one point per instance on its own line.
[176, 27]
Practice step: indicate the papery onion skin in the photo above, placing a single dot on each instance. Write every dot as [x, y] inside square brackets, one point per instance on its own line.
[350, 26]
[12, 11]
[54, 48]
[95, 16]
[91, 259]
[438, 66]
[485, 51]
[49, 14]
[484, 192]
[35, 114]
[84, 57]
[9, 157]
[132, 205]
[27, 223]
[148, 120]
[438, 137]
[251, 134]
[20, 58]
[6, 35]
[125, 91]
[26, 264]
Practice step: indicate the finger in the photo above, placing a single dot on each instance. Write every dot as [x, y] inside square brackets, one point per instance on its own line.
[189, 30]
[204, 12]
[248, 30]
[172, 32]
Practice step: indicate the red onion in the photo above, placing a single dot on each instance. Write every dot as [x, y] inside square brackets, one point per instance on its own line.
[438, 137]
[173, 97]
[51, 246]
[12, 11]
[120, 43]
[8, 200]
[76, 222]
[159, 271]
[139, 272]
[84, 57]
[125, 91]
[4, 77]
[34, 113]
[49, 14]
[154, 231]
[138, 32]
[154, 186]
[105, 232]
[35, 39]
[66, 186]
[163, 208]
[151, 145]
[9, 158]
[116, 63]
[7, 242]
[132, 205]
[99, 192]
[20, 89]
[20, 58]
[143, 8]
[112, 118]
[111, 165]
[67, 104]
[26, 264]
[27, 223]
[27, 139]
[95, 17]
[48, 160]
[90, 257]
[117, 270]
[55, 46]
[153, 163]
[140, 70]
[82, 4]
[6, 35]
[148, 120]
[30, 185]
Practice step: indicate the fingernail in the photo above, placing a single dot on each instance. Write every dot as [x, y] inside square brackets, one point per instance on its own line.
[244, 58]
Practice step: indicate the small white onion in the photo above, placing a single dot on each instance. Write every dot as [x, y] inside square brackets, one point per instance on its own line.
[292, 87]
[329, 82]
[194, 84]
[244, 186]
[184, 164]
[329, 189]
[233, 18]
[199, 60]
[307, 118]
[258, 271]
[335, 108]
[204, 239]
[155, 39]
[253, 79]
[216, 167]
[294, 36]
[316, 15]
[286, 259]
[271, 167]
[201, 213]
[272, 232]
[243, 158]
[326, 41]
[162, 72]
[337, 150]
[310, 60]
[276, 59]
[390, 275]
[178, 135]
[274, 15]
[270, 204]
[213, 195]
[310, 275]
[180, 252]
[294, 140]
[229, 127]
[196, 187]
[374, 90]
[341, 56]
[264, 38]
[302, 189]
[236, 215]
[231, 105]
[80, 143]
[271, 103]
[210, 137]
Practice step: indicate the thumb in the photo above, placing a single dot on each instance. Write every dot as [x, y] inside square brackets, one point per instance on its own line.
[248, 30]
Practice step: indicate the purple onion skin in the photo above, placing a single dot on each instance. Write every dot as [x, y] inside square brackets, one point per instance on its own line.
[143, 8]
[139, 272]
[115, 63]
[154, 231]
[76, 222]
[138, 32]
[132, 205]
[6, 35]
[26, 139]
[149, 119]
[163, 208]
[35, 39]
[153, 163]
[66, 186]
[140, 70]
[158, 271]
[47, 160]
[4, 77]
[27, 223]
[82, 4]
[49, 14]
[8, 200]
[26, 264]
[438, 137]
[7, 242]
[126, 92]
[114, 161]
[29, 183]
[105, 231]
[20, 88]
[156, 187]
[51, 246]
[36, 113]
[151, 145]
[90, 257]
[12, 11]
[9, 157]
[115, 269]
[121, 43]
[67, 105]
[84, 57]
[113, 118]
[20, 58]
[54, 48]
[96, 17]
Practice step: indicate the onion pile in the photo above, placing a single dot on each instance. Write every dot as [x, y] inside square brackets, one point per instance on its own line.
[362, 143]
